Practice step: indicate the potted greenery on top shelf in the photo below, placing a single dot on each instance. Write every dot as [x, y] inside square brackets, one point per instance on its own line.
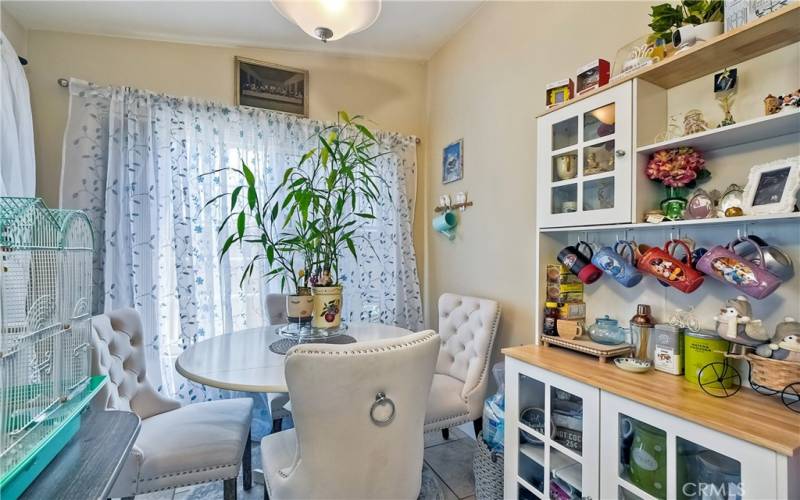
[705, 15]
[303, 227]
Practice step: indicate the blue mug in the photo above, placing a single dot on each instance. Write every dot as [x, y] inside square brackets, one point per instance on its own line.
[614, 263]
[446, 224]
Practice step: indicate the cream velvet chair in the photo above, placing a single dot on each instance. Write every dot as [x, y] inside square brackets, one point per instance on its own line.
[176, 446]
[468, 327]
[336, 450]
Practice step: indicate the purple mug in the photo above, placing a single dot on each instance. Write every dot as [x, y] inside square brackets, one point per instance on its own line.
[753, 279]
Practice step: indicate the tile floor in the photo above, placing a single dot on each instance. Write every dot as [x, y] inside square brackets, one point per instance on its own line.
[446, 475]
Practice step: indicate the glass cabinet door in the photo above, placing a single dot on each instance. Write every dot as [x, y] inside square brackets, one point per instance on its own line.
[704, 474]
[566, 471]
[556, 429]
[584, 165]
[643, 456]
[532, 435]
[650, 455]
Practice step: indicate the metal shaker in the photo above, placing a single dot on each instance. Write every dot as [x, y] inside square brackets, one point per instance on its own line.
[642, 330]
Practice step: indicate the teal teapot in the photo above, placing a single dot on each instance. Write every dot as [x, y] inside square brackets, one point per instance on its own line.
[607, 331]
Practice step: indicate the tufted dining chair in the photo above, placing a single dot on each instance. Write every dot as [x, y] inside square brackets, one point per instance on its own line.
[468, 327]
[358, 410]
[276, 309]
[177, 446]
[278, 402]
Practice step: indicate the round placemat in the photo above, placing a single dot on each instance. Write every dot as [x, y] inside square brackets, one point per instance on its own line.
[282, 346]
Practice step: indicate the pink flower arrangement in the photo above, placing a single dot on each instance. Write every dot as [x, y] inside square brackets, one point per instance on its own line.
[677, 167]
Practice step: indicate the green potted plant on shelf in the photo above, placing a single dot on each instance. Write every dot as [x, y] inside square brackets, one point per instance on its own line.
[706, 16]
[286, 245]
[332, 193]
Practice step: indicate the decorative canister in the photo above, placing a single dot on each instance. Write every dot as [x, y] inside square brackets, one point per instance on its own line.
[649, 459]
[327, 306]
[702, 348]
[668, 349]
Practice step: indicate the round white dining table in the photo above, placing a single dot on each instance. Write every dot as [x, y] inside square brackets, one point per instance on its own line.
[243, 361]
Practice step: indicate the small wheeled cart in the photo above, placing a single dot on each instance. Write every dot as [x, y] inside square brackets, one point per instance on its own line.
[766, 376]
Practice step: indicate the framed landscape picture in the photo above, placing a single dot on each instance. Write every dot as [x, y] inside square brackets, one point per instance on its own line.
[270, 86]
[453, 162]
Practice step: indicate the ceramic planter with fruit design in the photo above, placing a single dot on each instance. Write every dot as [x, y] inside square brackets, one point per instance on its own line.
[327, 306]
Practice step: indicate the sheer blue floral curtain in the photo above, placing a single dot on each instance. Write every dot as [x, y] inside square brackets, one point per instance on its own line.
[133, 161]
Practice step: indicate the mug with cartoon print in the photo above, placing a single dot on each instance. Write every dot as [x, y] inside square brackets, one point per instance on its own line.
[752, 278]
[662, 264]
[580, 263]
[614, 263]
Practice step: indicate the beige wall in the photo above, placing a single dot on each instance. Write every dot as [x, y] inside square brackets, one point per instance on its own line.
[486, 86]
[15, 32]
[390, 92]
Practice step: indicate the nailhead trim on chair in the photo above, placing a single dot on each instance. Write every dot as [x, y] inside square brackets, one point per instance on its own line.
[306, 350]
[156, 478]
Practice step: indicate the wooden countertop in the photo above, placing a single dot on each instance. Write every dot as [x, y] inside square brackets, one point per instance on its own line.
[761, 420]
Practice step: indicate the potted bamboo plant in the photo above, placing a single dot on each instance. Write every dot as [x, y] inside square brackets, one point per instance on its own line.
[332, 193]
[285, 244]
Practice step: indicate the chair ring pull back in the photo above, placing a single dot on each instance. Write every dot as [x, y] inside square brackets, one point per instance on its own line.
[382, 400]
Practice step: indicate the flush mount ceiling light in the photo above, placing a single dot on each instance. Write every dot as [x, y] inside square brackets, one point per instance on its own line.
[329, 20]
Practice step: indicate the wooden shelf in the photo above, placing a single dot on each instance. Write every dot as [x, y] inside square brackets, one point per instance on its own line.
[757, 129]
[761, 420]
[747, 219]
[535, 453]
[771, 32]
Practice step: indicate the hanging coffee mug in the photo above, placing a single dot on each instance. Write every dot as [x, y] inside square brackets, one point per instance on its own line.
[615, 264]
[662, 264]
[446, 224]
[580, 264]
[723, 264]
[696, 254]
[777, 261]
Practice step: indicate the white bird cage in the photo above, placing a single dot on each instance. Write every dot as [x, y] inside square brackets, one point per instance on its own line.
[45, 320]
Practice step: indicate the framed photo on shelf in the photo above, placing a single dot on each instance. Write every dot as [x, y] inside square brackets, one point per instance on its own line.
[270, 86]
[453, 162]
[772, 187]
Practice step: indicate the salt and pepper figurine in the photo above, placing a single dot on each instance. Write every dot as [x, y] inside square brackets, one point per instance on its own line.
[735, 323]
[786, 343]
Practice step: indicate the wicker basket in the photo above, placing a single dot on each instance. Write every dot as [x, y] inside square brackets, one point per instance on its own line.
[773, 374]
[488, 468]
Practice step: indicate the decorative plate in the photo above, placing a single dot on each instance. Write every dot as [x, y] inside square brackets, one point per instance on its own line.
[700, 205]
[633, 365]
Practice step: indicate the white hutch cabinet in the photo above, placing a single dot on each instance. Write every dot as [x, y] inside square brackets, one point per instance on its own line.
[573, 424]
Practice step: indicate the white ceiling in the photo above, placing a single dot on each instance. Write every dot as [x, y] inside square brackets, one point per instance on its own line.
[408, 29]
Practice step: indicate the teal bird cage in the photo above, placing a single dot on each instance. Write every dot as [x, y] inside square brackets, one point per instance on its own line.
[45, 324]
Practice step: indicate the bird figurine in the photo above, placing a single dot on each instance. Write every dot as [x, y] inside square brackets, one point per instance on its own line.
[786, 346]
[733, 319]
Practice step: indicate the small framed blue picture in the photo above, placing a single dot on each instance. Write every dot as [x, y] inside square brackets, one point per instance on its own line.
[453, 162]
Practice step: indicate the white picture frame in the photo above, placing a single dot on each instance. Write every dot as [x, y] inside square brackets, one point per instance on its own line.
[772, 187]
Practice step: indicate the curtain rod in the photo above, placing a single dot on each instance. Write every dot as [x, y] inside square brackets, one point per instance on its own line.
[63, 82]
